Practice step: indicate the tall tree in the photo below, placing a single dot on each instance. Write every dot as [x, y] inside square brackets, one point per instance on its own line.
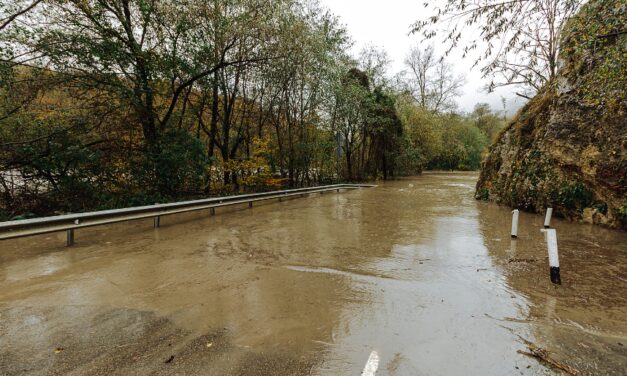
[374, 61]
[352, 105]
[431, 80]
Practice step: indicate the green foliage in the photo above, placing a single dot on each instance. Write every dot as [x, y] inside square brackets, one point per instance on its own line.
[594, 52]
[489, 122]
[601, 207]
[180, 164]
[65, 168]
[483, 194]
[386, 134]
[422, 130]
[574, 196]
[446, 141]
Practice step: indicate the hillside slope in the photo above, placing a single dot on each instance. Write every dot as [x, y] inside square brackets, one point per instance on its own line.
[566, 147]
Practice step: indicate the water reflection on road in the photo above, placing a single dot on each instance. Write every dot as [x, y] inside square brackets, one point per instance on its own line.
[416, 270]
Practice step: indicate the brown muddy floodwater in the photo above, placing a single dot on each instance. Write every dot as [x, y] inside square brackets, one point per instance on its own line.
[414, 277]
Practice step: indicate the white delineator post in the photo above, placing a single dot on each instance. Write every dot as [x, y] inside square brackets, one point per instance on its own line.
[547, 217]
[554, 261]
[515, 214]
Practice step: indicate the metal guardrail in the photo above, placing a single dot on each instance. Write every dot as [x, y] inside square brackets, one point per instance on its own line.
[71, 222]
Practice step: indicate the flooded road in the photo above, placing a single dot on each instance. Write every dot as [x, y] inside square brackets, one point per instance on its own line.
[413, 277]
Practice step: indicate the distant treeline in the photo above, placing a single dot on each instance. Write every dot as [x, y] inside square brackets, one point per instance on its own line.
[111, 103]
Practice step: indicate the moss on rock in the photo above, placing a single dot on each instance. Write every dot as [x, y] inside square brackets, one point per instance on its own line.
[566, 146]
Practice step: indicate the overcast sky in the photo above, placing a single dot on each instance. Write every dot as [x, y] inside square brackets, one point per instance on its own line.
[386, 24]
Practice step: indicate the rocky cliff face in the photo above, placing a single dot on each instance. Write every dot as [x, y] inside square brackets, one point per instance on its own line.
[566, 148]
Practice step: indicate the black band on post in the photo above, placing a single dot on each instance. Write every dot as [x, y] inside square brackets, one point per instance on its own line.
[555, 275]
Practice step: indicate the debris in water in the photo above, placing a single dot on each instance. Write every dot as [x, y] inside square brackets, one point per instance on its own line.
[521, 260]
[543, 356]
[170, 359]
[209, 345]
[58, 350]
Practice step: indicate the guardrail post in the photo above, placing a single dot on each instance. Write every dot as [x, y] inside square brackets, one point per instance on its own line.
[70, 237]
[157, 221]
[212, 211]
[250, 204]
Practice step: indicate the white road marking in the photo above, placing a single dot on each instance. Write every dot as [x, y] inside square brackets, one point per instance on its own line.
[371, 365]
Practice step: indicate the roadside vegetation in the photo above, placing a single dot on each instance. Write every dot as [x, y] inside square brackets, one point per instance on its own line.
[114, 103]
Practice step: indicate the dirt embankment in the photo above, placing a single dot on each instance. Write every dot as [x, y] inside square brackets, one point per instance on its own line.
[566, 147]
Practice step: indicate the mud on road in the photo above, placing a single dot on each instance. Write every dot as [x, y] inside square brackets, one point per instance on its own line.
[415, 270]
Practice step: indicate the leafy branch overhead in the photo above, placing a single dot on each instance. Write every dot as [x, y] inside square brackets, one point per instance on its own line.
[515, 42]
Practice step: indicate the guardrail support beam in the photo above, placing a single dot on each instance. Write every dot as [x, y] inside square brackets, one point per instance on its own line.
[250, 204]
[212, 211]
[70, 237]
[157, 221]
